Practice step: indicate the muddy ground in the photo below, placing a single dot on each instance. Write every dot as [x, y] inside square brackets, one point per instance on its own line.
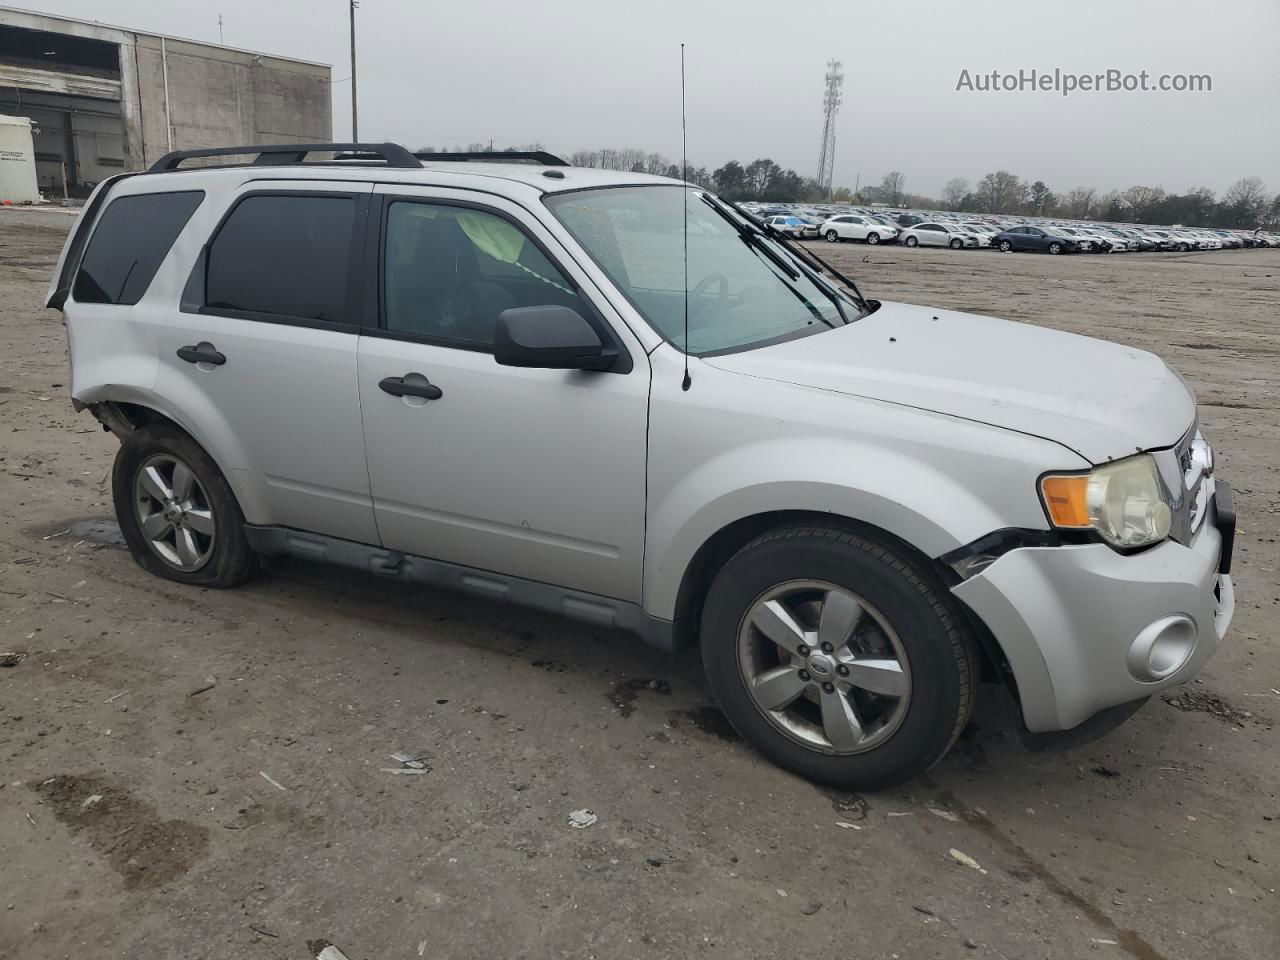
[237, 743]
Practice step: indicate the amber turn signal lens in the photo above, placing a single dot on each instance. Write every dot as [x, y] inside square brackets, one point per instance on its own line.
[1067, 500]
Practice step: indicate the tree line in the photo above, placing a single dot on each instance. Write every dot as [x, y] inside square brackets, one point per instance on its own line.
[1245, 205]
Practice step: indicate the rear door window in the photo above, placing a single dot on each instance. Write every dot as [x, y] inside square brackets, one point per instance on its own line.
[284, 256]
[129, 243]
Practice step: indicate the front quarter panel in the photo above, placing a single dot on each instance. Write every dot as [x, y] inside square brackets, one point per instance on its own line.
[733, 447]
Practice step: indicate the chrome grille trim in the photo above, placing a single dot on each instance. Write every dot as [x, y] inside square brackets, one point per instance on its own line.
[1187, 472]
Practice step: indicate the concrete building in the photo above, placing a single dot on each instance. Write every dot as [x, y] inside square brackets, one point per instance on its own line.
[105, 99]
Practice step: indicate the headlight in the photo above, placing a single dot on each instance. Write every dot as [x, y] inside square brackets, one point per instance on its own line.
[1124, 502]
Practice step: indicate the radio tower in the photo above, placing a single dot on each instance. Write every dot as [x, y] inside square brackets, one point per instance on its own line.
[831, 97]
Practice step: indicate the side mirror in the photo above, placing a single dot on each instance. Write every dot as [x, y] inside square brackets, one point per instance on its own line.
[549, 337]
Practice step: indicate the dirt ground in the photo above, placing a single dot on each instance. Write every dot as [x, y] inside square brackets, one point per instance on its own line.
[191, 773]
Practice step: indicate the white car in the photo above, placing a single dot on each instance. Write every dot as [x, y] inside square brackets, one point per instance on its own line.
[934, 234]
[613, 397]
[983, 237]
[852, 226]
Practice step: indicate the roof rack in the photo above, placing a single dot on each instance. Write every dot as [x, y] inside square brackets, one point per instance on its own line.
[497, 156]
[390, 154]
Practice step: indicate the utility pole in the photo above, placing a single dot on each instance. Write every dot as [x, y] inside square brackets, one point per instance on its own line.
[355, 113]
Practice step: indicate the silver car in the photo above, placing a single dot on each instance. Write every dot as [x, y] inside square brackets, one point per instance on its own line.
[495, 377]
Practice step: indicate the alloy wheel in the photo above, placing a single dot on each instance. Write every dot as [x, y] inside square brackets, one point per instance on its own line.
[173, 512]
[824, 667]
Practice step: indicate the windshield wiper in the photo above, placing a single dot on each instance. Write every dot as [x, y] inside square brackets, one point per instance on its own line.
[751, 237]
[755, 243]
[807, 256]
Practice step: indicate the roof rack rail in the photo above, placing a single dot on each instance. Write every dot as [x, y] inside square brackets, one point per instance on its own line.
[497, 156]
[392, 154]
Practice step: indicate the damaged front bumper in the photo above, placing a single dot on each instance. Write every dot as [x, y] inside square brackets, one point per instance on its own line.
[1085, 629]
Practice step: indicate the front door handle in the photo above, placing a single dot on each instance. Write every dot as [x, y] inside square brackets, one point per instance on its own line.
[410, 385]
[202, 352]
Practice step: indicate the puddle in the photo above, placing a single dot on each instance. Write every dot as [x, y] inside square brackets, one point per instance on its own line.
[624, 692]
[145, 850]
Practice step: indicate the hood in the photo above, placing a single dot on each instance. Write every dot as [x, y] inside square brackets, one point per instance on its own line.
[1100, 399]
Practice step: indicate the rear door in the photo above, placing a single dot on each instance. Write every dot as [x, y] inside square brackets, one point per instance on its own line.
[260, 355]
[538, 474]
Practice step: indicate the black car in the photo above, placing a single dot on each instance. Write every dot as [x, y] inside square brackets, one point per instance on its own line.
[1034, 238]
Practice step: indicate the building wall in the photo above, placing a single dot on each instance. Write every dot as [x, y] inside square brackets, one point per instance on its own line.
[216, 96]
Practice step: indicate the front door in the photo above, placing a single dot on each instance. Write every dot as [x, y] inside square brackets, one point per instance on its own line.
[533, 473]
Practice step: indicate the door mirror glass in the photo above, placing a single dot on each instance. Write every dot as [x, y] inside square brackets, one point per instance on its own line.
[549, 337]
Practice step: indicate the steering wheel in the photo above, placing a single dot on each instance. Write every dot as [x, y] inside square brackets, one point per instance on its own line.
[702, 286]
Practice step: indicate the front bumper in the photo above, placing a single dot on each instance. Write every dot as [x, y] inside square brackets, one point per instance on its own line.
[1070, 618]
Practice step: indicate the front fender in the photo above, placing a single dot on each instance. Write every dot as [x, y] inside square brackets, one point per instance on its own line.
[905, 496]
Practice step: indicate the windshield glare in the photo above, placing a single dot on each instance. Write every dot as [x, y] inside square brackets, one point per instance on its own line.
[738, 298]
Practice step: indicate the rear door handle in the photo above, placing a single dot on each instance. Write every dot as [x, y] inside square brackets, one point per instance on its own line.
[410, 385]
[202, 352]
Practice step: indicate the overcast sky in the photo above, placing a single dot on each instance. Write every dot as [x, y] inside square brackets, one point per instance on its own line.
[577, 74]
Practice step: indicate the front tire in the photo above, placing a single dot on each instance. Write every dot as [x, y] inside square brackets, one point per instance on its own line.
[873, 238]
[911, 241]
[1006, 246]
[1055, 248]
[176, 511]
[838, 656]
[833, 237]
[956, 244]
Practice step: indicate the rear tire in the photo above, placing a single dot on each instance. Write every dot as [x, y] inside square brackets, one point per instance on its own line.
[845, 715]
[176, 511]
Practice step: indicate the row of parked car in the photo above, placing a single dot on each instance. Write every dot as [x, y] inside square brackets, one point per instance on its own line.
[961, 231]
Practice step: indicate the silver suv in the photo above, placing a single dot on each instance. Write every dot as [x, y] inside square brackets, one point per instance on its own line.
[622, 399]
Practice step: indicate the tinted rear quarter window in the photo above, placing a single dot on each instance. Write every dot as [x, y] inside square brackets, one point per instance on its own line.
[129, 244]
[286, 256]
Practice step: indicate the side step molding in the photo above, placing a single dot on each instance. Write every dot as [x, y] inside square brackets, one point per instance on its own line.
[273, 541]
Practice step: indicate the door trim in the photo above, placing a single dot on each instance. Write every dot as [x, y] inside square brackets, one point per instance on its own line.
[578, 605]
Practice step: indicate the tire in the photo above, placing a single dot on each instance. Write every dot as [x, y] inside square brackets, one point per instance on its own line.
[833, 237]
[905, 614]
[911, 241]
[1183, 248]
[201, 537]
[873, 238]
[956, 244]
[1055, 248]
[1006, 246]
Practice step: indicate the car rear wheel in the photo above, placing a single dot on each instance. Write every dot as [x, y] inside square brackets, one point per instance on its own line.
[838, 656]
[873, 238]
[1055, 248]
[911, 241]
[833, 237]
[176, 511]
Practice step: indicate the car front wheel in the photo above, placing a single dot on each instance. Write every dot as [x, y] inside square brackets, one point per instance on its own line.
[838, 656]
[1005, 246]
[911, 241]
[176, 511]
[1055, 248]
[833, 237]
[873, 238]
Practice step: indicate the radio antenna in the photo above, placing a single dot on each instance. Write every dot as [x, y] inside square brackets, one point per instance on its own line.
[684, 196]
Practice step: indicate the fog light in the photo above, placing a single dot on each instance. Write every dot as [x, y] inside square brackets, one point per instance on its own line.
[1162, 648]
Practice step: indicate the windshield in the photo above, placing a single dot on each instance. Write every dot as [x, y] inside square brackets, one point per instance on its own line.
[739, 294]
